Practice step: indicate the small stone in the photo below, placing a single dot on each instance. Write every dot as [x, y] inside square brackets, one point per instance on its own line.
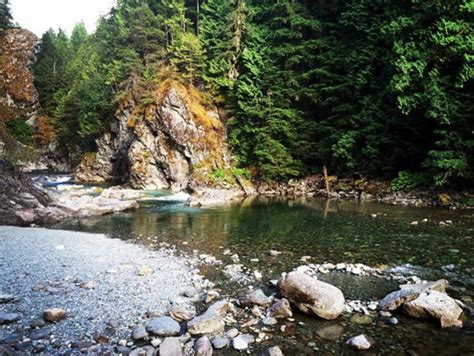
[274, 351]
[88, 285]
[219, 342]
[39, 334]
[146, 271]
[242, 342]
[311, 344]
[356, 271]
[100, 338]
[281, 309]
[232, 333]
[274, 253]
[255, 297]
[156, 342]
[340, 266]
[37, 323]
[190, 292]
[392, 321]
[360, 342]
[268, 321]
[163, 326]
[122, 342]
[183, 312]
[139, 333]
[171, 347]
[203, 347]
[54, 315]
[6, 298]
[330, 332]
[137, 352]
[361, 319]
[6, 318]
[211, 296]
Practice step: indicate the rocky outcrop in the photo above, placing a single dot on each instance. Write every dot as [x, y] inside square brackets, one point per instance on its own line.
[19, 197]
[18, 96]
[312, 296]
[167, 144]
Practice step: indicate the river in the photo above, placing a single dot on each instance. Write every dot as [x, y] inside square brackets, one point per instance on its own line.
[431, 243]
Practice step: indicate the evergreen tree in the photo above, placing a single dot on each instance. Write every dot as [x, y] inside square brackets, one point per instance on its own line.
[5, 15]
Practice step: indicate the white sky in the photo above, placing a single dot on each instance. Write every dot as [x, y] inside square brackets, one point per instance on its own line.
[41, 15]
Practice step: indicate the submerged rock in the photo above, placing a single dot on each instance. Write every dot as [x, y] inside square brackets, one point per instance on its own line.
[330, 332]
[360, 342]
[312, 296]
[274, 351]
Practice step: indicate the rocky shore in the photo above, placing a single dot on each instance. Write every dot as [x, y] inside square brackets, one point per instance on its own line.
[95, 295]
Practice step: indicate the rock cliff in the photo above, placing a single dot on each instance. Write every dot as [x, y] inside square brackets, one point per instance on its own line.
[18, 96]
[173, 142]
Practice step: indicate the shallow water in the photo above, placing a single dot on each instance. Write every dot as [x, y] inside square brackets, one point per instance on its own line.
[329, 231]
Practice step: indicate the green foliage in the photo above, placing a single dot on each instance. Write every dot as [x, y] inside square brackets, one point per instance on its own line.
[5, 15]
[19, 129]
[374, 87]
[409, 180]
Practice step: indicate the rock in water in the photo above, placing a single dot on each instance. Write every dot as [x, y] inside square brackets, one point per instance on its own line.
[281, 309]
[312, 296]
[54, 315]
[163, 326]
[203, 347]
[274, 351]
[171, 347]
[255, 297]
[331, 332]
[360, 342]
[438, 306]
[410, 292]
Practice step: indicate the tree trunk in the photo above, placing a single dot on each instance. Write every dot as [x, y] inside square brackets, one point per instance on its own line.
[326, 179]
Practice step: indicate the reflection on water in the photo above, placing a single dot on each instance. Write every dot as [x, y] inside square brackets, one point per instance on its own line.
[329, 231]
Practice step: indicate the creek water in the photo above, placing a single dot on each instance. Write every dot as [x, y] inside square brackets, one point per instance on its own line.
[328, 231]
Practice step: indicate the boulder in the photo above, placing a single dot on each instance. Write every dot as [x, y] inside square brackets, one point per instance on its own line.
[163, 326]
[435, 305]
[203, 347]
[171, 347]
[255, 297]
[211, 321]
[409, 292]
[312, 296]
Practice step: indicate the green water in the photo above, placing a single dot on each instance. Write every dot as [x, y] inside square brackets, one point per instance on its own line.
[329, 231]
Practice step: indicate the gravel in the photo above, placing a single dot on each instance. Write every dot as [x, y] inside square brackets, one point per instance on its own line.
[45, 269]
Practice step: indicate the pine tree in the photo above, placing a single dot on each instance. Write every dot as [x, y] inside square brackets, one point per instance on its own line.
[5, 15]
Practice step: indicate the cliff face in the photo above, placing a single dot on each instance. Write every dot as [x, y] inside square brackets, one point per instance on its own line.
[171, 143]
[18, 96]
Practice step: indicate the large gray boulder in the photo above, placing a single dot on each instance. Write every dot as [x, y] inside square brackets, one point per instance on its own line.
[312, 296]
[409, 292]
[438, 306]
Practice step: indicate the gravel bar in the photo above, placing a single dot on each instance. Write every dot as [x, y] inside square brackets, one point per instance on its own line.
[98, 280]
